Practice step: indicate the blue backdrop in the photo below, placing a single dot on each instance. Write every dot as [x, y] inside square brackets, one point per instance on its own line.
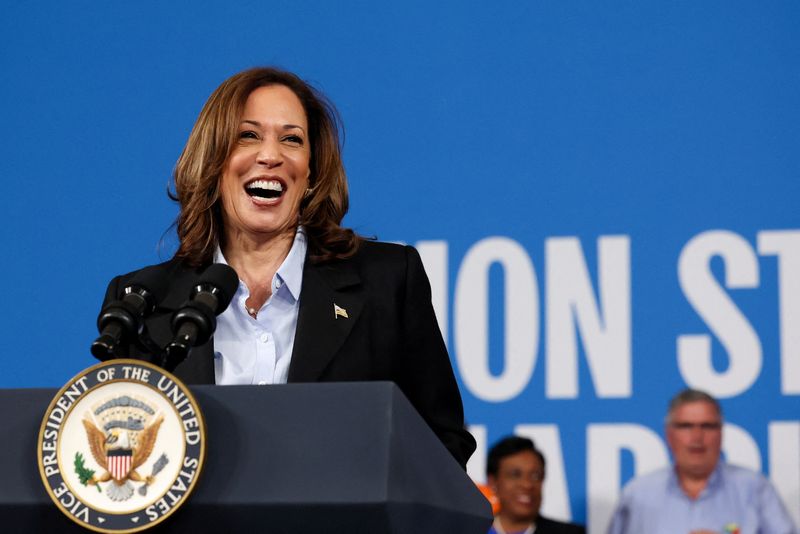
[604, 194]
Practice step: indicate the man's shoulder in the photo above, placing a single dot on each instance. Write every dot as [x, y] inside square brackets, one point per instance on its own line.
[742, 479]
[657, 483]
[737, 472]
[545, 525]
[654, 481]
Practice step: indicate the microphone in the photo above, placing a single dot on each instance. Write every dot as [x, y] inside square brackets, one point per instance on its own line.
[122, 321]
[195, 322]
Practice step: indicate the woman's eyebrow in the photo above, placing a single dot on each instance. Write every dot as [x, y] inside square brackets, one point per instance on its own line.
[285, 126]
[291, 126]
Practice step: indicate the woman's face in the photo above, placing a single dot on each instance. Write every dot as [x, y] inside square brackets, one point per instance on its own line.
[518, 486]
[267, 171]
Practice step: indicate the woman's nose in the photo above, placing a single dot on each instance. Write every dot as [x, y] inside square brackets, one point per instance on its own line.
[269, 154]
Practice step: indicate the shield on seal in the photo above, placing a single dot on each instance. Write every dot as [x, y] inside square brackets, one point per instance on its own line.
[119, 463]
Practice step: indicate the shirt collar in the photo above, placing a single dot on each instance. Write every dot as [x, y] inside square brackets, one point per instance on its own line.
[290, 273]
[291, 270]
[714, 480]
[498, 527]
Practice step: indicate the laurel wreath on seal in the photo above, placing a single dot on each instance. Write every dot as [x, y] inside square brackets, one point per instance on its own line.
[84, 473]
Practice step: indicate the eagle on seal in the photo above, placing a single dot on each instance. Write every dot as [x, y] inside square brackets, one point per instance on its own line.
[115, 453]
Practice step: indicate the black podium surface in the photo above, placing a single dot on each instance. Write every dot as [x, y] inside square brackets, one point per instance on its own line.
[332, 458]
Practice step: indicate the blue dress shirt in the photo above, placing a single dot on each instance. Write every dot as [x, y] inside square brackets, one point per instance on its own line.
[258, 350]
[735, 497]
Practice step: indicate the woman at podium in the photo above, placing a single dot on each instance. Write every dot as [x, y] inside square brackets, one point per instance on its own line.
[262, 188]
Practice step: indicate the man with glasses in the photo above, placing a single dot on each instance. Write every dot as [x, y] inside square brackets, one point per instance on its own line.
[515, 473]
[700, 493]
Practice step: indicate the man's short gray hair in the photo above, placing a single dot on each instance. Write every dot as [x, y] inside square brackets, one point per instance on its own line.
[691, 395]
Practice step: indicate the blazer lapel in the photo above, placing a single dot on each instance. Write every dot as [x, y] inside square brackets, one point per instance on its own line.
[330, 303]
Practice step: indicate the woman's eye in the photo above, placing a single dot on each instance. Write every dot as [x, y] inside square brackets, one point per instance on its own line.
[294, 139]
[248, 134]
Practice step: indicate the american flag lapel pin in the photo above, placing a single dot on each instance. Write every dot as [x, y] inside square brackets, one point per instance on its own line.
[338, 311]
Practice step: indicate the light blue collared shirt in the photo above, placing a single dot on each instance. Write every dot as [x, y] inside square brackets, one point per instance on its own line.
[734, 497]
[258, 351]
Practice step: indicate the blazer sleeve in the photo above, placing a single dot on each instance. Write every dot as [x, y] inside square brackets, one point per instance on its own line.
[426, 375]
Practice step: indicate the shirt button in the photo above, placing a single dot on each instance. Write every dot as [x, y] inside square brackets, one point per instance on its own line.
[278, 283]
[264, 338]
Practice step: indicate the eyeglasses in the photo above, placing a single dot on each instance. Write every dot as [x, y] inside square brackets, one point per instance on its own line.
[705, 427]
[518, 474]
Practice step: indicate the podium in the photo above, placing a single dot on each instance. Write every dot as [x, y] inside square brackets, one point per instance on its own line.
[296, 458]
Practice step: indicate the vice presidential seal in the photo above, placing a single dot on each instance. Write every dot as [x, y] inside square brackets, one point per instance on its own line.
[121, 446]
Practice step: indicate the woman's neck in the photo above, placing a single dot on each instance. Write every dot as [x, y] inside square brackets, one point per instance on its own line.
[256, 261]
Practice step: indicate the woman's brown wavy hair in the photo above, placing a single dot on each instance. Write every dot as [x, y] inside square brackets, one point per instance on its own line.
[199, 170]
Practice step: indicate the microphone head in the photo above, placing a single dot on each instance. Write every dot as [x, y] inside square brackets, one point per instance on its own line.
[152, 281]
[224, 280]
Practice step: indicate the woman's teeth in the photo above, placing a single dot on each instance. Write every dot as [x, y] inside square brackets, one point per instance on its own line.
[264, 188]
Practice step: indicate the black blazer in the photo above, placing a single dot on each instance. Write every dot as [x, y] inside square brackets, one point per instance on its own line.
[391, 332]
[549, 526]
